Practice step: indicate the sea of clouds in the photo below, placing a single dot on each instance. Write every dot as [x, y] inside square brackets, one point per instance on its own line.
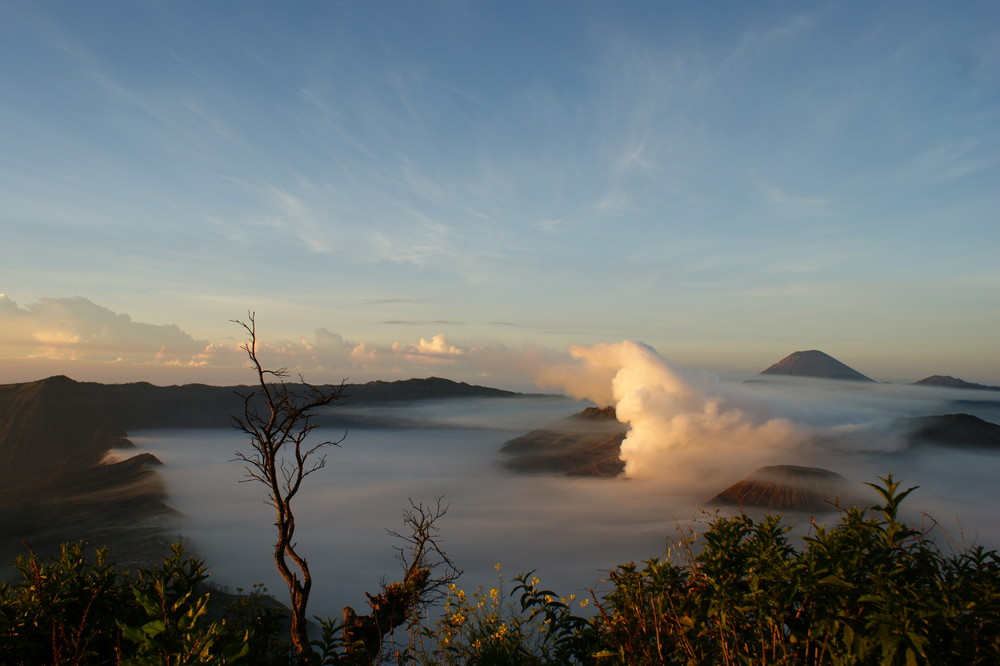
[690, 436]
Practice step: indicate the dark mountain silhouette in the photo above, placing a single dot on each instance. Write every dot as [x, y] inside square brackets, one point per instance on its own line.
[585, 444]
[788, 487]
[55, 485]
[432, 388]
[59, 424]
[142, 405]
[953, 382]
[814, 363]
[961, 431]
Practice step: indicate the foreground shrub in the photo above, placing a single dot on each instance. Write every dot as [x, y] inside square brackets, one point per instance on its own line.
[488, 628]
[869, 590]
[63, 610]
[69, 610]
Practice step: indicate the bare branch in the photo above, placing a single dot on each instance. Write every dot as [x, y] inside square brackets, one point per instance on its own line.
[277, 420]
[427, 573]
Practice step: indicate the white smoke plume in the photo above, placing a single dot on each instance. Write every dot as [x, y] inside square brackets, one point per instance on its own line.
[676, 419]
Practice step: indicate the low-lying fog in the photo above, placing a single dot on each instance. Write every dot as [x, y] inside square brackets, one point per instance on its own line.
[568, 529]
[691, 437]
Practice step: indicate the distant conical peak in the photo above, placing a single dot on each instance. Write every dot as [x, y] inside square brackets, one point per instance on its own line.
[814, 363]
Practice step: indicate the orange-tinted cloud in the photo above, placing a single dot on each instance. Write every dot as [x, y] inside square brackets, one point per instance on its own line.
[78, 331]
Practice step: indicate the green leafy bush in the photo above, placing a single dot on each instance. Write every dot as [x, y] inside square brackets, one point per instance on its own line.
[70, 610]
[63, 610]
[256, 614]
[486, 628]
[869, 590]
[176, 629]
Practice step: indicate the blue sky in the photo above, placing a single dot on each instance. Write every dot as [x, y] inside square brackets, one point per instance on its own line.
[466, 188]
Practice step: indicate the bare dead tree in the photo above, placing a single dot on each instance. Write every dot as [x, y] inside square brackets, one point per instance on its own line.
[427, 573]
[278, 419]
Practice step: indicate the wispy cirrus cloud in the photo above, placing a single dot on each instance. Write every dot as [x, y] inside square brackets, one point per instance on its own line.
[795, 205]
[948, 161]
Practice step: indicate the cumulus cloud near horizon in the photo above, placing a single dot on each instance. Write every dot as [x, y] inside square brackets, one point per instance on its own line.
[77, 330]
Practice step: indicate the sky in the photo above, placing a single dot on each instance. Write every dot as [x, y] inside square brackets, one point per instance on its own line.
[465, 189]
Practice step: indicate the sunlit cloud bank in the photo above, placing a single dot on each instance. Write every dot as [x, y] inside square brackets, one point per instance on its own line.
[78, 329]
[79, 334]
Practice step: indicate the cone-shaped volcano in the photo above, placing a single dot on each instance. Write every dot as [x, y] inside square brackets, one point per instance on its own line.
[787, 487]
[814, 363]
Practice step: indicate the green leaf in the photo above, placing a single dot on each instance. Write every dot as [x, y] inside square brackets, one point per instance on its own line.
[834, 579]
[154, 628]
[132, 634]
[236, 651]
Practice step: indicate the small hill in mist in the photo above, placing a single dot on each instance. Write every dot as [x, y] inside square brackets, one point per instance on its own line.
[948, 381]
[788, 487]
[814, 363]
[585, 444]
[957, 431]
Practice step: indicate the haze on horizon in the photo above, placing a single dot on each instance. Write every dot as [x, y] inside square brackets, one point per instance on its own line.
[466, 189]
